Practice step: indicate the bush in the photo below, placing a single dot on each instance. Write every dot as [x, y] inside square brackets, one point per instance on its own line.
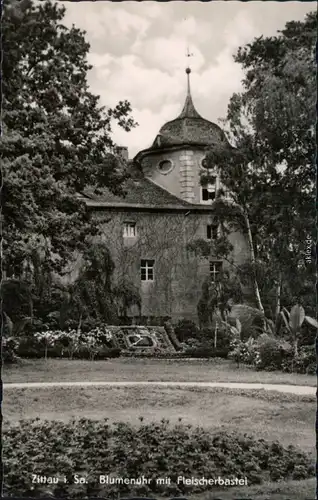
[205, 351]
[269, 353]
[9, 350]
[28, 347]
[192, 342]
[101, 353]
[305, 362]
[244, 352]
[223, 337]
[250, 318]
[32, 347]
[108, 352]
[186, 329]
[59, 343]
[270, 356]
[92, 448]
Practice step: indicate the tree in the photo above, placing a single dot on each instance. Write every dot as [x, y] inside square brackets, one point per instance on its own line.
[269, 172]
[91, 295]
[218, 297]
[56, 137]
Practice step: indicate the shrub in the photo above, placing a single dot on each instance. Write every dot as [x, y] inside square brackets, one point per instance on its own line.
[305, 362]
[92, 448]
[272, 352]
[108, 352]
[250, 318]
[28, 347]
[9, 350]
[58, 343]
[84, 352]
[244, 352]
[224, 336]
[192, 342]
[186, 329]
[205, 351]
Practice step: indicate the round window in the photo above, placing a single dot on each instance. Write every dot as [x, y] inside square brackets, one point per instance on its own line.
[204, 163]
[165, 166]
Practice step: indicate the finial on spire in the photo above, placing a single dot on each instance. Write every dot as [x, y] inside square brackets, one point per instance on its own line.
[188, 54]
[188, 69]
[189, 110]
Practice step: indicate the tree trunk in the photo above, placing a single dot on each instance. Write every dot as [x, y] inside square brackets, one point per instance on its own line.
[9, 325]
[172, 335]
[31, 310]
[296, 346]
[278, 296]
[79, 324]
[215, 335]
[253, 264]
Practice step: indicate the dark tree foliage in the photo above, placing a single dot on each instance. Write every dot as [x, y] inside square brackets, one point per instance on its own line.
[56, 137]
[269, 167]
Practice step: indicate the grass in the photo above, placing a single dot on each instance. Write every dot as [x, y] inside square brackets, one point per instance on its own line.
[285, 490]
[285, 417]
[151, 370]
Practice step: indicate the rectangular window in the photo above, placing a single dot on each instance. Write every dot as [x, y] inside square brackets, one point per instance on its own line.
[208, 192]
[147, 270]
[212, 231]
[215, 270]
[129, 230]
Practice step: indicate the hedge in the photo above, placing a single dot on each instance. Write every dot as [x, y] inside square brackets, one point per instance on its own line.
[93, 448]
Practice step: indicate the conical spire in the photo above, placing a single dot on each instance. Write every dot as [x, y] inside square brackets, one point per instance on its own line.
[189, 110]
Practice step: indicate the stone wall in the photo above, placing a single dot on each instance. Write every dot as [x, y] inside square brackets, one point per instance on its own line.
[178, 275]
[184, 179]
[162, 237]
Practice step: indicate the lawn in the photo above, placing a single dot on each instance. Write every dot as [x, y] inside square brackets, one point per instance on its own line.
[289, 490]
[151, 370]
[285, 417]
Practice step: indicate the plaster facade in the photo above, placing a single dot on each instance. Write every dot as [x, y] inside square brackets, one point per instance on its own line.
[161, 214]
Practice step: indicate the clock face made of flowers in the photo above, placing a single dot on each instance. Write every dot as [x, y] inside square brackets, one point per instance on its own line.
[138, 340]
[142, 338]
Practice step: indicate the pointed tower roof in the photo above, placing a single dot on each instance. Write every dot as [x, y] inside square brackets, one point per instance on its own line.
[189, 110]
[188, 129]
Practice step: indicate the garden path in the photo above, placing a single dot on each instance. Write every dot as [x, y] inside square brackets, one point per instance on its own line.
[292, 389]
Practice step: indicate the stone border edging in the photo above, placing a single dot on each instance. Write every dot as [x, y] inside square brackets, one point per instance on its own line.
[291, 389]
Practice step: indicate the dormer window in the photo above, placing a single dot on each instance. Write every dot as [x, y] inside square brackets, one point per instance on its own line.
[165, 166]
[208, 192]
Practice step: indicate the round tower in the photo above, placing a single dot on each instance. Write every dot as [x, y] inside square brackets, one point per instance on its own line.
[176, 157]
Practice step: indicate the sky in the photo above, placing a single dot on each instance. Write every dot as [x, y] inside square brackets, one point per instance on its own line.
[138, 52]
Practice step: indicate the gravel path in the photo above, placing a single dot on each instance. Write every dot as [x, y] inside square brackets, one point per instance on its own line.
[292, 389]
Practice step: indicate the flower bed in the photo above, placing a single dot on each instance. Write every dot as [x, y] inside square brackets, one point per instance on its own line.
[89, 449]
[271, 353]
[96, 344]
